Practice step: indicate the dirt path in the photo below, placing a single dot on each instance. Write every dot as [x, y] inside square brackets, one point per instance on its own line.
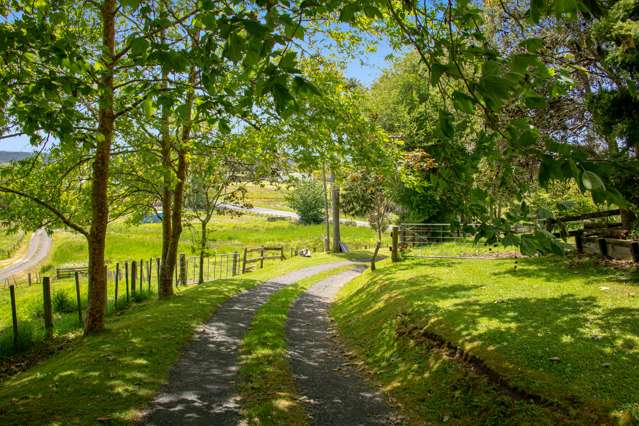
[39, 246]
[334, 392]
[201, 387]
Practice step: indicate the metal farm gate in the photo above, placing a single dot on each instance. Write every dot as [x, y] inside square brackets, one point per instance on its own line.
[443, 240]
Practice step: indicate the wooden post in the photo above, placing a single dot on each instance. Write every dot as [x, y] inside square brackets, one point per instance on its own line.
[29, 278]
[282, 253]
[395, 238]
[14, 314]
[134, 276]
[235, 262]
[117, 278]
[183, 269]
[603, 247]
[126, 278]
[634, 249]
[579, 243]
[48, 310]
[77, 296]
[141, 275]
[244, 260]
[377, 246]
[149, 269]
[262, 258]
[157, 269]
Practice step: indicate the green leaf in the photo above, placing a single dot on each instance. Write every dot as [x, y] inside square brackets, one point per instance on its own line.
[139, 46]
[233, 48]
[347, 14]
[535, 101]
[445, 124]
[592, 181]
[463, 102]
[436, 72]
[148, 107]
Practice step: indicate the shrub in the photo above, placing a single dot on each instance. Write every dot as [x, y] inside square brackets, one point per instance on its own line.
[307, 199]
[62, 303]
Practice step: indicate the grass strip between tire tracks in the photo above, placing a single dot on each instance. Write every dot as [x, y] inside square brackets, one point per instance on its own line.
[267, 387]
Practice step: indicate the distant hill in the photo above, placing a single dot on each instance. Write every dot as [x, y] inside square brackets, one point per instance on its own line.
[6, 156]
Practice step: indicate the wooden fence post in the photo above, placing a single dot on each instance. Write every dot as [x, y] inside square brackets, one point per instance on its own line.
[14, 314]
[157, 268]
[141, 275]
[282, 253]
[126, 279]
[149, 269]
[134, 276]
[29, 278]
[634, 249]
[48, 311]
[235, 262]
[183, 267]
[395, 239]
[377, 246]
[262, 257]
[579, 243]
[603, 247]
[117, 278]
[244, 260]
[77, 296]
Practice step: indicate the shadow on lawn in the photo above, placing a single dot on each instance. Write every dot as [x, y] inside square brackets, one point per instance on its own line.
[579, 351]
[108, 377]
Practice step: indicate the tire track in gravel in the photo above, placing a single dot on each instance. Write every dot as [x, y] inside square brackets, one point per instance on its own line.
[333, 391]
[201, 388]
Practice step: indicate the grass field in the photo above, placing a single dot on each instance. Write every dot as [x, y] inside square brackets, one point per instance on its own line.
[565, 332]
[268, 391]
[109, 377]
[226, 234]
[10, 243]
[268, 196]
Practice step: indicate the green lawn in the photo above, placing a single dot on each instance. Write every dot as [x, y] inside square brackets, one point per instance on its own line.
[565, 331]
[462, 248]
[267, 387]
[109, 377]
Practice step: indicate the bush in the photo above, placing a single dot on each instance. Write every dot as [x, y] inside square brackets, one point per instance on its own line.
[307, 199]
[62, 303]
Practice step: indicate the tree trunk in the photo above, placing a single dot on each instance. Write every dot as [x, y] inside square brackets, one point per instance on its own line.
[167, 267]
[181, 174]
[337, 247]
[202, 251]
[327, 238]
[99, 201]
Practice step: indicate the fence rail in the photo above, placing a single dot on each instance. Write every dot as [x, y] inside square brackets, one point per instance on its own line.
[264, 254]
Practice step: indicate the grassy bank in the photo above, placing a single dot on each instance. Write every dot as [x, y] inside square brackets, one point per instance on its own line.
[267, 387]
[109, 377]
[535, 341]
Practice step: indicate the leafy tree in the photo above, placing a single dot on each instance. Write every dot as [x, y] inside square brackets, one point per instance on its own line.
[307, 199]
[367, 194]
[218, 176]
[74, 74]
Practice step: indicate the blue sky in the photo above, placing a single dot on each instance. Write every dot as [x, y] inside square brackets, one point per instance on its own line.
[365, 69]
